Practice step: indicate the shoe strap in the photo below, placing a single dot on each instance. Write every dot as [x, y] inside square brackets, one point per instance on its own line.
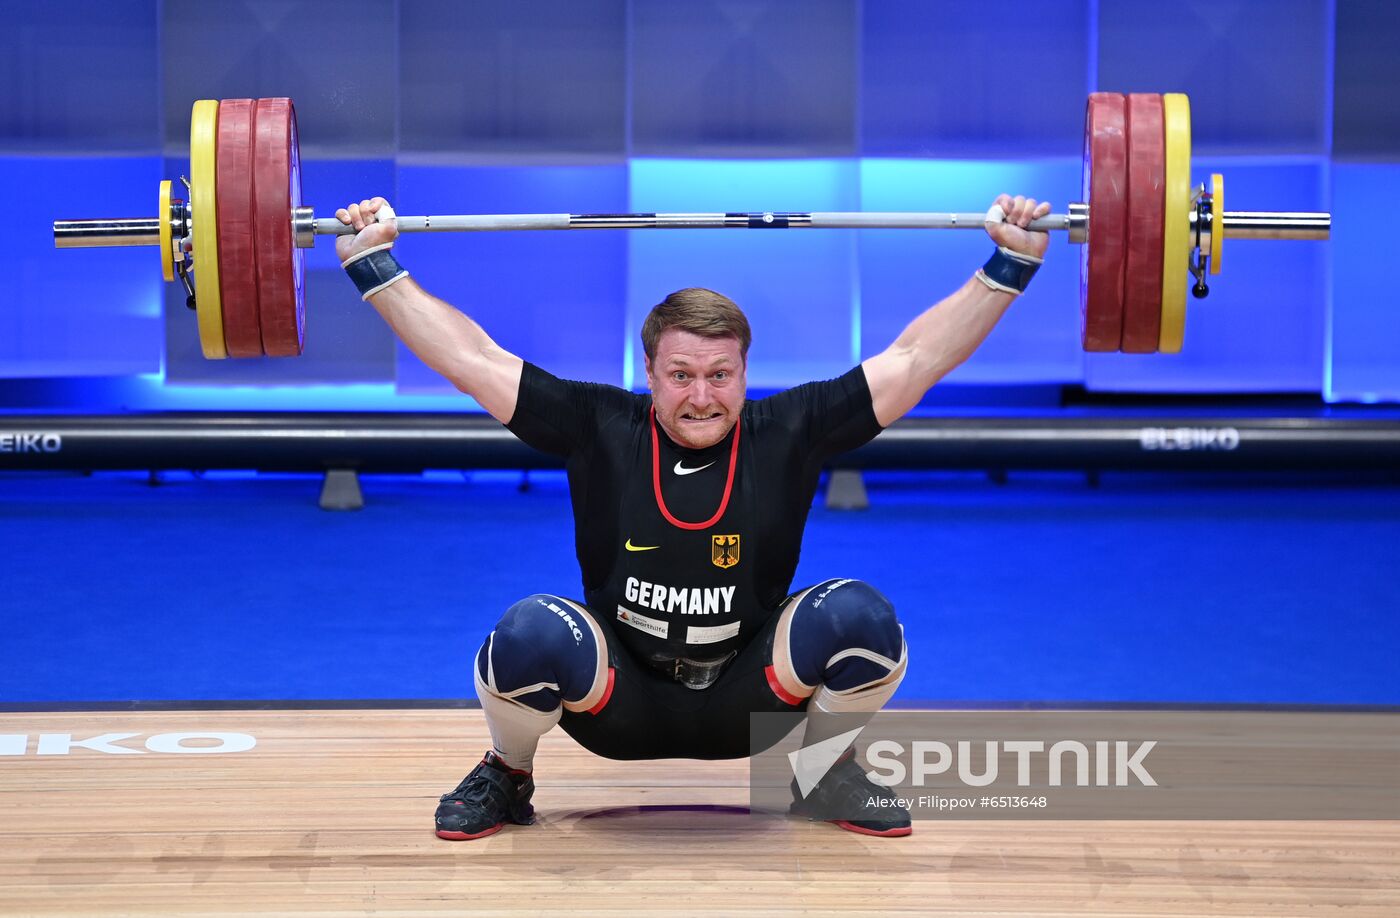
[499, 779]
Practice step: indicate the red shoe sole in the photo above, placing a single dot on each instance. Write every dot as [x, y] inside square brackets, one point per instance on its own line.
[463, 836]
[880, 833]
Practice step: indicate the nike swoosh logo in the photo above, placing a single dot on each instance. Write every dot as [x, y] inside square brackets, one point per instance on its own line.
[682, 470]
[630, 547]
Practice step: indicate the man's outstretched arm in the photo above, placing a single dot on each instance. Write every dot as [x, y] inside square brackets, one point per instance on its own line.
[442, 336]
[947, 333]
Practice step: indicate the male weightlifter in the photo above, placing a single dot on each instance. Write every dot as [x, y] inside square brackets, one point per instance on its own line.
[689, 507]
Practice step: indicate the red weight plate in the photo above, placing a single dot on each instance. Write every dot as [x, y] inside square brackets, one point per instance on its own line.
[1142, 272]
[1105, 188]
[238, 267]
[276, 190]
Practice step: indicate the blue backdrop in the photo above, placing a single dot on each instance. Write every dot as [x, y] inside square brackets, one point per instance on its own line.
[605, 105]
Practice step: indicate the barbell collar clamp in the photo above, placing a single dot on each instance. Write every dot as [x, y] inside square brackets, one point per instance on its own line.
[304, 226]
[1078, 223]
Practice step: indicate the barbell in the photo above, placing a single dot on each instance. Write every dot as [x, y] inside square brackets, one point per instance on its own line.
[1143, 227]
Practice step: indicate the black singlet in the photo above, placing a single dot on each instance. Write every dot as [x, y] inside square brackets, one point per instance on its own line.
[698, 591]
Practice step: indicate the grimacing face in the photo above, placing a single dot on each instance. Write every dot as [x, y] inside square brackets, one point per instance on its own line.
[697, 386]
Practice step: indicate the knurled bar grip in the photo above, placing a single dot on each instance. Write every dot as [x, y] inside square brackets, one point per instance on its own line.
[766, 220]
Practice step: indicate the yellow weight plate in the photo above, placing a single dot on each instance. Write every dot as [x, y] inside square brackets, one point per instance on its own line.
[1176, 242]
[167, 251]
[1217, 220]
[204, 141]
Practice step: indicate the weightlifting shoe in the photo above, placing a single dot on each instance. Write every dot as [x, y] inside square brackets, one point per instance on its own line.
[492, 795]
[845, 791]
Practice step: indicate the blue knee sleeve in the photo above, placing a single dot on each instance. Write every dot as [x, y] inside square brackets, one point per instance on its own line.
[844, 615]
[540, 639]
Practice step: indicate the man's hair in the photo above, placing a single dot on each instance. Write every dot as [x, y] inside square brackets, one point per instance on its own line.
[699, 311]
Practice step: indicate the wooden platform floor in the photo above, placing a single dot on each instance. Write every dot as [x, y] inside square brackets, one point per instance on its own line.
[331, 814]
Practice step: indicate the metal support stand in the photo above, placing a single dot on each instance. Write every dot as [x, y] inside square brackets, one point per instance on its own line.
[340, 490]
[845, 490]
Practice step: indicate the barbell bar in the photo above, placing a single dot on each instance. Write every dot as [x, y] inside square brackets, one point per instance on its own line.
[1139, 205]
[145, 231]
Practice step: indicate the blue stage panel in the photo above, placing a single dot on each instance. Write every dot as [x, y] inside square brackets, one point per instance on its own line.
[1365, 323]
[338, 62]
[1273, 594]
[547, 78]
[715, 78]
[555, 298]
[797, 287]
[938, 78]
[1258, 71]
[903, 272]
[1367, 121]
[80, 76]
[78, 312]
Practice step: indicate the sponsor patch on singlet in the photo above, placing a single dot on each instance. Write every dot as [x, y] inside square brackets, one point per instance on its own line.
[710, 634]
[652, 626]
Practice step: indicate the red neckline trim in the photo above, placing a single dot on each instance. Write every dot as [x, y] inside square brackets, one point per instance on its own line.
[656, 478]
